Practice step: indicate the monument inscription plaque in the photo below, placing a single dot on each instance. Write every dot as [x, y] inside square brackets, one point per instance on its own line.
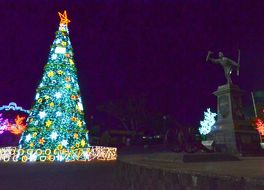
[223, 105]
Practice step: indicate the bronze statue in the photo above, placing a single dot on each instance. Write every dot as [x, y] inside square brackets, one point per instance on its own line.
[226, 63]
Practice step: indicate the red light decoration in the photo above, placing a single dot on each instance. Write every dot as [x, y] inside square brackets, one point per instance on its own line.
[260, 126]
[19, 126]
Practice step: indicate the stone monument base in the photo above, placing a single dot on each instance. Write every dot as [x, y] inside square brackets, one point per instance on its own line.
[243, 142]
[231, 132]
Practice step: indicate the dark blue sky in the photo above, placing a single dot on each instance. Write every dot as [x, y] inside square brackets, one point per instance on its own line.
[151, 48]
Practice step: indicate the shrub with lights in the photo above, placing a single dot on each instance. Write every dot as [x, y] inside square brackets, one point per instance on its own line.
[208, 122]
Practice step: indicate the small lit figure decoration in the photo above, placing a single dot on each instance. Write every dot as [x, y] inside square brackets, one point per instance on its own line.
[208, 122]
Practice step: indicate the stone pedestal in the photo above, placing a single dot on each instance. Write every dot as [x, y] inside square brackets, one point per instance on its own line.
[231, 132]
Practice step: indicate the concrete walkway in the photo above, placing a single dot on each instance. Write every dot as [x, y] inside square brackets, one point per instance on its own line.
[94, 175]
[247, 167]
[250, 170]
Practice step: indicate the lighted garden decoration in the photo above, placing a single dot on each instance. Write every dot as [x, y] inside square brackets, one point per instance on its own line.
[207, 123]
[16, 126]
[13, 106]
[260, 126]
[3, 124]
[56, 129]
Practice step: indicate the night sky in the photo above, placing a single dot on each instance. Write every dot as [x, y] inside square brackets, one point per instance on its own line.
[146, 48]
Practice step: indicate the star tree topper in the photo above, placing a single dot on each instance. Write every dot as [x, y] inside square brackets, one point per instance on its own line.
[63, 18]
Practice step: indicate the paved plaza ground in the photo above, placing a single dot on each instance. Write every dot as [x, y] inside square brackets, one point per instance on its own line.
[93, 175]
[169, 172]
[100, 175]
[247, 167]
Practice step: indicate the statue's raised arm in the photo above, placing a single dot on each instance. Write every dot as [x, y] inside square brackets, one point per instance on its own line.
[209, 58]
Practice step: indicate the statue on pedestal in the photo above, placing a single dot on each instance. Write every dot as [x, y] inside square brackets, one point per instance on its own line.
[232, 132]
[226, 63]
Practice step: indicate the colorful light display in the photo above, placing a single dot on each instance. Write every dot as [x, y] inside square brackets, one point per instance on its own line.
[56, 121]
[3, 124]
[55, 130]
[15, 154]
[208, 122]
[18, 127]
[13, 106]
[260, 126]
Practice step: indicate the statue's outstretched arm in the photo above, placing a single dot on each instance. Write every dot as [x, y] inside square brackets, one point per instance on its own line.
[215, 61]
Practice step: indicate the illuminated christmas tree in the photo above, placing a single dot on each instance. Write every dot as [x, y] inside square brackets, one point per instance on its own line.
[56, 120]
